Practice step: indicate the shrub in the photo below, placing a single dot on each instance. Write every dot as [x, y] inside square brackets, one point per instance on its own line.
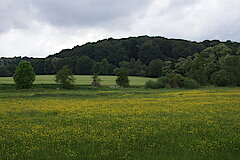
[172, 81]
[180, 80]
[65, 78]
[162, 82]
[24, 75]
[151, 84]
[220, 78]
[190, 83]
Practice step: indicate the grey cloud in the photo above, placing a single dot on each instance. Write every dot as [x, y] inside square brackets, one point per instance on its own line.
[182, 3]
[176, 9]
[87, 12]
[14, 14]
[67, 13]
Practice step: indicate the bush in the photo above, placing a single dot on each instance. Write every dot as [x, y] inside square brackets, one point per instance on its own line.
[151, 84]
[24, 75]
[180, 80]
[162, 82]
[220, 78]
[190, 83]
[65, 78]
[172, 81]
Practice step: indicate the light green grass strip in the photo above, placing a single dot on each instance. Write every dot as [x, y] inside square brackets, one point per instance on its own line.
[80, 79]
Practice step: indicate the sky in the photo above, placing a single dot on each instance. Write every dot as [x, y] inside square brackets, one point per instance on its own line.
[38, 28]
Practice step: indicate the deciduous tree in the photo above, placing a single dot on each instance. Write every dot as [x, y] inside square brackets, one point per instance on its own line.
[65, 78]
[24, 75]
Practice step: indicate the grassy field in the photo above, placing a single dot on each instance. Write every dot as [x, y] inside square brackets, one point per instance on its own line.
[140, 124]
[80, 79]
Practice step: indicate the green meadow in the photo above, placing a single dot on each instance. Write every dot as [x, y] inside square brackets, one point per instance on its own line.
[134, 123]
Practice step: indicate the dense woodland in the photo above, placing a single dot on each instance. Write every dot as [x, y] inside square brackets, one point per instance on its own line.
[207, 62]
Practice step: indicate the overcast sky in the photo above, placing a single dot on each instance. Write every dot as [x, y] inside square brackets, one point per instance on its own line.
[39, 28]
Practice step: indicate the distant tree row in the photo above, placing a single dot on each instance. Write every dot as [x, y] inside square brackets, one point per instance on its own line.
[134, 53]
[216, 65]
[206, 62]
[86, 66]
[24, 77]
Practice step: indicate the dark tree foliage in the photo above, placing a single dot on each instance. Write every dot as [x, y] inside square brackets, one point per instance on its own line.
[24, 75]
[220, 78]
[214, 65]
[135, 68]
[4, 72]
[38, 65]
[50, 66]
[105, 67]
[231, 64]
[84, 65]
[172, 81]
[143, 48]
[155, 68]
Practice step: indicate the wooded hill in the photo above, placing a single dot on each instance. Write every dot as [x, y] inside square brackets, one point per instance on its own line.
[143, 48]
[142, 56]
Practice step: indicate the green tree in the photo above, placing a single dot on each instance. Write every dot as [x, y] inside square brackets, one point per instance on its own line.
[155, 68]
[135, 67]
[96, 80]
[220, 78]
[122, 78]
[183, 65]
[1, 62]
[24, 75]
[231, 64]
[105, 67]
[50, 66]
[65, 78]
[167, 68]
[207, 62]
[38, 65]
[84, 65]
[147, 52]
[123, 64]
[96, 68]
[3, 71]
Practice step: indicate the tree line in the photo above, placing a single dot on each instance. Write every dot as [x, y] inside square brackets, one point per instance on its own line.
[218, 66]
[207, 62]
[141, 49]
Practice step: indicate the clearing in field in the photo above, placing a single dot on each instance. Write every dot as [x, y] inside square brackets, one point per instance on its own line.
[120, 124]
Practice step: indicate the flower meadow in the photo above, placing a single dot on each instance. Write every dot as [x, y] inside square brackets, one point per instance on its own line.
[120, 124]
